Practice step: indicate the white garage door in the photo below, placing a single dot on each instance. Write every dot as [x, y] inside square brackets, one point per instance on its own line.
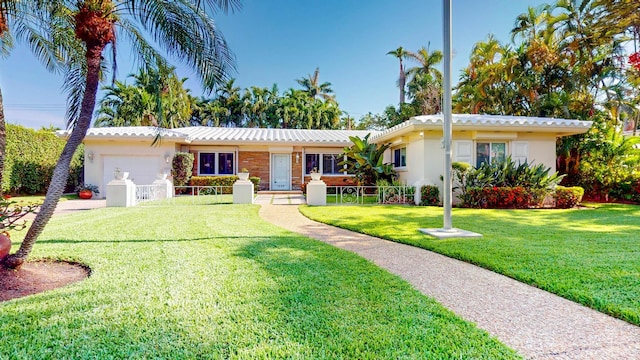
[142, 170]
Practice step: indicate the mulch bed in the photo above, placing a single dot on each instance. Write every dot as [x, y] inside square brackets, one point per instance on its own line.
[38, 276]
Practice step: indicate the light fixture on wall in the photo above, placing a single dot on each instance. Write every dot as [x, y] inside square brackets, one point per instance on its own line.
[90, 156]
[167, 158]
[297, 158]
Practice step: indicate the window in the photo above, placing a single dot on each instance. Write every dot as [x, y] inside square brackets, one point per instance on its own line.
[400, 157]
[215, 163]
[312, 161]
[329, 164]
[225, 163]
[489, 152]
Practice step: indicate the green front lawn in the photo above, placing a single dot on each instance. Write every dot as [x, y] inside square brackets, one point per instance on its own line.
[215, 281]
[590, 256]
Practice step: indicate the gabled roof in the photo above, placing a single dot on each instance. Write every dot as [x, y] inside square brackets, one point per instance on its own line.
[477, 122]
[203, 135]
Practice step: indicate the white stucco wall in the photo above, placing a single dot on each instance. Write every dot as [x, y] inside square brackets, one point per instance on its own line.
[143, 161]
[425, 155]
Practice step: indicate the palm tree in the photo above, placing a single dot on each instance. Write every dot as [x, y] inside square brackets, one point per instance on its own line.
[400, 53]
[313, 88]
[184, 30]
[427, 62]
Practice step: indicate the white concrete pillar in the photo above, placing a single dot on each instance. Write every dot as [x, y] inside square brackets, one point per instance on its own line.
[317, 193]
[121, 193]
[243, 192]
[165, 187]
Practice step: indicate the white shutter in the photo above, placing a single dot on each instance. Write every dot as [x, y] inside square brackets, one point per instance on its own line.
[520, 152]
[463, 151]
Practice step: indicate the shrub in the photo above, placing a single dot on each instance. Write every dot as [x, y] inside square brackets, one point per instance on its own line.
[568, 197]
[429, 195]
[500, 198]
[520, 183]
[627, 189]
[182, 168]
[30, 158]
[226, 181]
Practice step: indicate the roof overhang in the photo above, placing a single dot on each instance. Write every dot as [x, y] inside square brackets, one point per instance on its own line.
[494, 123]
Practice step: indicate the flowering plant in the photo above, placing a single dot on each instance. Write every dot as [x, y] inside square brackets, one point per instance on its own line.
[88, 187]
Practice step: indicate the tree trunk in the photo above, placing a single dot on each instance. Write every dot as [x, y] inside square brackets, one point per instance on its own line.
[3, 140]
[402, 81]
[61, 171]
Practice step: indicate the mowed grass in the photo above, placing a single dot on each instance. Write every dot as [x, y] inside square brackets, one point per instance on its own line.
[215, 281]
[590, 256]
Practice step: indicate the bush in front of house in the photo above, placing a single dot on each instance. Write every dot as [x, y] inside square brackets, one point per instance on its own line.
[30, 157]
[226, 181]
[627, 189]
[182, 168]
[504, 184]
[429, 195]
[568, 197]
[501, 197]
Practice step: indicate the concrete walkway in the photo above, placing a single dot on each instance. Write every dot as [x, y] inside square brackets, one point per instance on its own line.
[538, 324]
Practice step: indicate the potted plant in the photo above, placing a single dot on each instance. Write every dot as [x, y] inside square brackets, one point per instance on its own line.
[315, 174]
[86, 191]
[243, 174]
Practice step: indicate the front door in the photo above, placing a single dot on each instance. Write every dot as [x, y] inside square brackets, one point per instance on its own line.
[280, 172]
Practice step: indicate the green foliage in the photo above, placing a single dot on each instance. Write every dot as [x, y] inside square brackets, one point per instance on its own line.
[12, 211]
[182, 168]
[429, 195]
[568, 197]
[365, 161]
[609, 158]
[226, 181]
[30, 158]
[528, 184]
[157, 98]
[87, 187]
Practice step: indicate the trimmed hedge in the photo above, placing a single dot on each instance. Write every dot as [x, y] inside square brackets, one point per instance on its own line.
[182, 168]
[568, 197]
[31, 156]
[429, 195]
[225, 180]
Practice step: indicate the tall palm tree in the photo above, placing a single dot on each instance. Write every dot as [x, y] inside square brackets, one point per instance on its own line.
[184, 31]
[400, 53]
[427, 63]
[313, 87]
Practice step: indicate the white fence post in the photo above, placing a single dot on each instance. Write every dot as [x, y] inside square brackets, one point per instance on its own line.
[317, 193]
[121, 193]
[165, 187]
[243, 192]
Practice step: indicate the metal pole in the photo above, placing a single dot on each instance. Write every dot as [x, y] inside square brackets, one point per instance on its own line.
[446, 111]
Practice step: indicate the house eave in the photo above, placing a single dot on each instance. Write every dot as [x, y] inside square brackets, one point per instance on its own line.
[488, 123]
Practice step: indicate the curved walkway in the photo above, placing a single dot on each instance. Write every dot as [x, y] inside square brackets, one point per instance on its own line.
[538, 324]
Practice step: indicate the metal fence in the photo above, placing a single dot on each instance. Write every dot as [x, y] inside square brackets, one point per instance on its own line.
[202, 194]
[145, 193]
[346, 195]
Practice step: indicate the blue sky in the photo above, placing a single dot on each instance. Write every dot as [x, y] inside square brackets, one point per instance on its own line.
[278, 41]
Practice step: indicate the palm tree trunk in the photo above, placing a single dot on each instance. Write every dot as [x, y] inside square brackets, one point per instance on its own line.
[3, 140]
[61, 171]
[402, 81]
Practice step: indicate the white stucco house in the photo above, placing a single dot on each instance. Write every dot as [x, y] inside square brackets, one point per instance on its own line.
[283, 158]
